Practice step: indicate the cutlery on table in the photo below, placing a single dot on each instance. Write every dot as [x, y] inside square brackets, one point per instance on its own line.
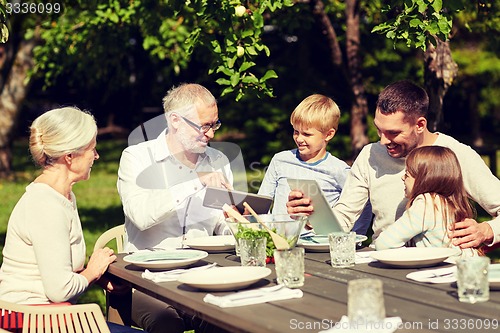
[253, 293]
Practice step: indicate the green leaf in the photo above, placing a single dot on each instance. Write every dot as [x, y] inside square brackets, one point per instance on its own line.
[415, 22]
[251, 50]
[437, 5]
[250, 79]
[246, 65]
[270, 74]
[223, 82]
[235, 79]
[226, 91]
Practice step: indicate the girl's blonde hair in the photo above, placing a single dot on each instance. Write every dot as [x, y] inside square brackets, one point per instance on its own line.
[316, 111]
[437, 171]
[59, 132]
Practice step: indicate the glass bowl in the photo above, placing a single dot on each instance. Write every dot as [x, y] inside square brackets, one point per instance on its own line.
[289, 226]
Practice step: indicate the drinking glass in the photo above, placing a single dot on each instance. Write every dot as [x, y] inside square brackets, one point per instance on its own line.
[342, 248]
[472, 279]
[365, 301]
[289, 265]
[253, 251]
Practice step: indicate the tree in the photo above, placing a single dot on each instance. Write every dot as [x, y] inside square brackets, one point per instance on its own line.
[427, 24]
[92, 41]
[16, 60]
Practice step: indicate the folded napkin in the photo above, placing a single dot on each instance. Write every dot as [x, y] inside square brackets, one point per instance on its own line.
[389, 325]
[172, 275]
[363, 257]
[438, 275]
[256, 296]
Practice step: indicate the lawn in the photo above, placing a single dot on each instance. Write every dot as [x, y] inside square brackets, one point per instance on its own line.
[98, 201]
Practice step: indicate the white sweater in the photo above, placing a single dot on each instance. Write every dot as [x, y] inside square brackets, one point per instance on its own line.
[44, 249]
[377, 176]
[423, 224]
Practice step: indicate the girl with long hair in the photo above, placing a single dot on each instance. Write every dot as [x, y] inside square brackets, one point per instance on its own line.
[436, 200]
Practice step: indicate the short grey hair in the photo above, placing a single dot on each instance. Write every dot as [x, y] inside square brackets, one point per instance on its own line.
[185, 97]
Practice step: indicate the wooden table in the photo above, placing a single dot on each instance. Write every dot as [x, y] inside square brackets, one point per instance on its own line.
[423, 307]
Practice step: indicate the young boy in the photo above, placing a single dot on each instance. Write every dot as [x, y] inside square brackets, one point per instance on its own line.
[315, 121]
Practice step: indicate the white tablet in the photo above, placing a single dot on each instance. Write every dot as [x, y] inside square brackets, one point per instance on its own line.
[216, 197]
[323, 218]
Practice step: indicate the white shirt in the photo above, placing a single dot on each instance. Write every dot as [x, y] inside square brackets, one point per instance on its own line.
[163, 199]
[377, 176]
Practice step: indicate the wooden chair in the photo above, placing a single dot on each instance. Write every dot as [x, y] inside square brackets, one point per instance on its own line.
[117, 233]
[112, 314]
[80, 318]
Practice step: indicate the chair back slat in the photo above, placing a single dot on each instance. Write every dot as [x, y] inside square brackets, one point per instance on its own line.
[81, 318]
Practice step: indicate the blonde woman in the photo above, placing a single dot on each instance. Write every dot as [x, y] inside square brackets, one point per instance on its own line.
[436, 199]
[44, 253]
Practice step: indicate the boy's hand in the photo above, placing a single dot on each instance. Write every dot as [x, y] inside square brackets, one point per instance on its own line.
[298, 203]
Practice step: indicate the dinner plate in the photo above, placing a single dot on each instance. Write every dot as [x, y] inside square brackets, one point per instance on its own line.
[494, 276]
[320, 243]
[414, 256]
[211, 243]
[225, 278]
[163, 259]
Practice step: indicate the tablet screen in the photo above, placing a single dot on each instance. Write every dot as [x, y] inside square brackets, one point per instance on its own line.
[323, 218]
[216, 197]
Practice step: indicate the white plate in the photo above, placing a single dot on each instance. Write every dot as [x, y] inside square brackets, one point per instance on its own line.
[494, 276]
[319, 243]
[211, 243]
[224, 278]
[163, 259]
[414, 256]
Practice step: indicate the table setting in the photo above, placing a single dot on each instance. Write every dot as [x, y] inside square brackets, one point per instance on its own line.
[263, 295]
[220, 279]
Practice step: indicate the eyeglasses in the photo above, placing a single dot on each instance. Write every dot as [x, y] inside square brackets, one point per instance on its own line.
[203, 128]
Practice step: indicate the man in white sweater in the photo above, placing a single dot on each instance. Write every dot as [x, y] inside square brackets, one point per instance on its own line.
[400, 118]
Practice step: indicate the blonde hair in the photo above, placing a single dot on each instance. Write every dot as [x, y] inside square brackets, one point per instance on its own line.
[183, 98]
[316, 111]
[59, 132]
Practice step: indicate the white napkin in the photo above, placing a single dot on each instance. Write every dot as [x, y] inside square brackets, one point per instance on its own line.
[437, 275]
[389, 325]
[172, 275]
[256, 296]
[363, 257]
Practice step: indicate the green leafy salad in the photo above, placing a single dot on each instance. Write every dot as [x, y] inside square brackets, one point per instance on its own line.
[248, 233]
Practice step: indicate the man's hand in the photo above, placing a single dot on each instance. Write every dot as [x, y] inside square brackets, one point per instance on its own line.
[214, 179]
[469, 233]
[114, 285]
[297, 203]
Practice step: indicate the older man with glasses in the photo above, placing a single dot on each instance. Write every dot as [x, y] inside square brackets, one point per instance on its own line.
[162, 183]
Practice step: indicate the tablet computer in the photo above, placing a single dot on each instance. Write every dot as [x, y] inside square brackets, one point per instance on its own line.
[216, 197]
[323, 219]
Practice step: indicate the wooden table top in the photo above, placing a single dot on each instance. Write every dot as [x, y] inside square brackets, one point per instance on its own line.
[423, 307]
